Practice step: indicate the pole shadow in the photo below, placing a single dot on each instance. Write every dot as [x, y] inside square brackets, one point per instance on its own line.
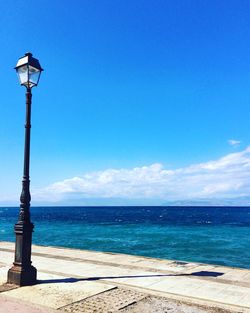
[74, 280]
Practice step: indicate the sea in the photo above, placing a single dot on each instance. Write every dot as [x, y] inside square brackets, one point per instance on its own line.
[214, 235]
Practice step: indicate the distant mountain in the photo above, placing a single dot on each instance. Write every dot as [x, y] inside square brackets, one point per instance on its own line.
[240, 201]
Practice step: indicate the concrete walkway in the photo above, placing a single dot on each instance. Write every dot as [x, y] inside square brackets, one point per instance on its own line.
[73, 280]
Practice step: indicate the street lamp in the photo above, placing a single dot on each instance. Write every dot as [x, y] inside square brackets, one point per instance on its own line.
[22, 272]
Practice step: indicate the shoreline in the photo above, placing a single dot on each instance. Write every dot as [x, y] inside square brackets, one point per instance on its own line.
[135, 255]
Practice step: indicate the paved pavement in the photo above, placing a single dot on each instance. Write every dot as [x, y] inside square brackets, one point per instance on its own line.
[71, 280]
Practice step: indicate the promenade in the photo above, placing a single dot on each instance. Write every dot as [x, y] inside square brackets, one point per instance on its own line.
[73, 281]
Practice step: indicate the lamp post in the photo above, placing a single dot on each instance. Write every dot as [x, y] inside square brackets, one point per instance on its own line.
[22, 272]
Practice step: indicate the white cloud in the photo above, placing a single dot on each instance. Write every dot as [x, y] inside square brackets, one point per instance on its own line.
[226, 177]
[233, 142]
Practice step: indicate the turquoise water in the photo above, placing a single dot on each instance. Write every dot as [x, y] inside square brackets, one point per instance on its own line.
[208, 235]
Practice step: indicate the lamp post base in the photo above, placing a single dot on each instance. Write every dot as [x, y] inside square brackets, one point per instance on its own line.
[22, 277]
[22, 273]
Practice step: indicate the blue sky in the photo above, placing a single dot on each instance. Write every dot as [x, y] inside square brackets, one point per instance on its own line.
[132, 92]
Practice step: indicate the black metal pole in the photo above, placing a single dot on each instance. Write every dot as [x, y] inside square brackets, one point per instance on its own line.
[22, 272]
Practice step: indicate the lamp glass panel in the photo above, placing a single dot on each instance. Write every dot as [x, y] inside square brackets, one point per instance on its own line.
[34, 75]
[22, 73]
